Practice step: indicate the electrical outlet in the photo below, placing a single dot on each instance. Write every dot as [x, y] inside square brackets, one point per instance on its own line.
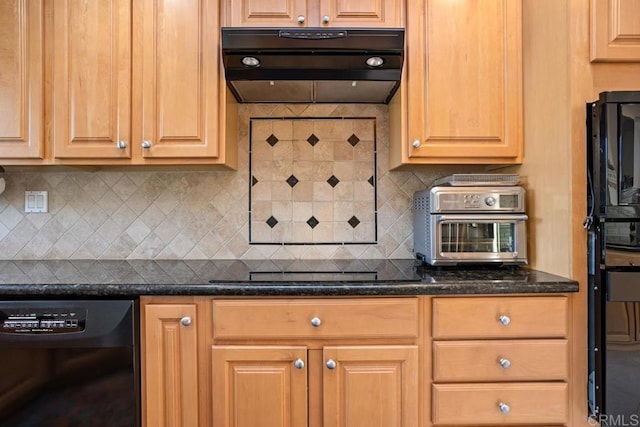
[36, 201]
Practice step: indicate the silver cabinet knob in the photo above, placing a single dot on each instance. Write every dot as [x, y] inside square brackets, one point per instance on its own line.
[316, 321]
[416, 143]
[121, 145]
[146, 144]
[505, 363]
[299, 363]
[331, 364]
[504, 408]
[300, 19]
[325, 19]
[186, 321]
[505, 320]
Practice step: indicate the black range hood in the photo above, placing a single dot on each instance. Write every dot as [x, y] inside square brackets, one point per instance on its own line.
[308, 65]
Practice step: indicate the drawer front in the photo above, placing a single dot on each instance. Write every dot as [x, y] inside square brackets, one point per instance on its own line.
[500, 317]
[315, 318]
[482, 404]
[510, 360]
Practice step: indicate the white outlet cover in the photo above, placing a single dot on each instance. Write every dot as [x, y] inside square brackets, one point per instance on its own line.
[36, 201]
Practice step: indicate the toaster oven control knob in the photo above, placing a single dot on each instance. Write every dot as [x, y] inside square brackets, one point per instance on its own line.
[505, 320]
[490, 200]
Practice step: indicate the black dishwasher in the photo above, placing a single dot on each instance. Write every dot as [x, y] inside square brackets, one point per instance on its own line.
[69, 363]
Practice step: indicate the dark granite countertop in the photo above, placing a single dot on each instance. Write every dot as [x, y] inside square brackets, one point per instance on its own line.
[112, 278]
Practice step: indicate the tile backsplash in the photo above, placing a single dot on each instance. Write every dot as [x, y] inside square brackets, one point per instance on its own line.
[211, 215]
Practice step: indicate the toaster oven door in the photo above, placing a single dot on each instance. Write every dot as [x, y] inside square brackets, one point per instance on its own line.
[478, 238]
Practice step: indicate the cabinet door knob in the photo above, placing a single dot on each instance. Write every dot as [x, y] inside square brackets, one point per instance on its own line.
[505, 320]
[505, 363]
[331, 364]
[146, 144]
[416, 143]
[121, 145]
[325, 19]
[186, 321]
[316, 321]
[300, 19]
[504, 408]
[299, 363]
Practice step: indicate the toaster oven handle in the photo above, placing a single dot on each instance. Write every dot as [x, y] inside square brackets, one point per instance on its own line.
[481, 217]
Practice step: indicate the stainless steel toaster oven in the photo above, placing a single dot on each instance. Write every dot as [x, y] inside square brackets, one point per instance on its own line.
[470, 222]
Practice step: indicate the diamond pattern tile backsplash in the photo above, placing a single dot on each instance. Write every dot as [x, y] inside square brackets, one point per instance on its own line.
[312, 181]
[347, 202]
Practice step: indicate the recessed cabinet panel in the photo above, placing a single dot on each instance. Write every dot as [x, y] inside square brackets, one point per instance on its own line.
[350, 13]
[180, 87]
[615, 30]
[260, 13]
[91, 78]
[21, 79]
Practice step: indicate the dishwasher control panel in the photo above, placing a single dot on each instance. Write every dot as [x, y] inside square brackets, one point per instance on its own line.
[26, 320]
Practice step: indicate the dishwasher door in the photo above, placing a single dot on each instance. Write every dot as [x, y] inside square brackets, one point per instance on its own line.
[69, 363]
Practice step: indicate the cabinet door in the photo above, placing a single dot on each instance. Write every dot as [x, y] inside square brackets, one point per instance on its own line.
[170, 360]
[259, 386]
[266, 13]
[615, 30]
[21, 80]
[370, 386]
[177, 44]
[464, 73]
[91, 57]
[361, 13]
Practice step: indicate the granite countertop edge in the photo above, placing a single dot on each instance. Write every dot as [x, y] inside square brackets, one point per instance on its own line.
[119, 279]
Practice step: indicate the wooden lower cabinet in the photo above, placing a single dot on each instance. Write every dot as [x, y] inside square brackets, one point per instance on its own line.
[169, 353]
[273, 386]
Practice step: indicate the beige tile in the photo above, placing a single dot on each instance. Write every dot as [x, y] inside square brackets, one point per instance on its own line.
[281, 190]
[261, 130]
[342, 211]
[363, 151]
[260, 231]
[283, 129]
[364, 232]
[364, 129]
[260, 210]
[363, 191]
[282, 210]
[261, 191]
[343, 152]
[261, 150]
[323, 211]
[342, 232]
[343, 170]
[304, 170]
[303, 191]
[322, 191]
[302, 129]
[302, 233]
[283, 150]
[323, 150]
[302, 211]
[302, 150]
[344, 191]
[323, 233]
[282, 233]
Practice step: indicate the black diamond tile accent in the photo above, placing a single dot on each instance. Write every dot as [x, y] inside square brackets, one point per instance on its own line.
[272, 140]
[254, 181]
[333, 181]
[353, 221]
[353, 140]
[313, 140]
[313, 222]
[271, 222]
[292, 181]
[371, 181]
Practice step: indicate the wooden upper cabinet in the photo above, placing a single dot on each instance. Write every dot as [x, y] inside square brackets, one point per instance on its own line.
[615, 30]
[179, 79]
[91, 104]
[21, 79]
[461, 100]
[314, 13]
[138, 83]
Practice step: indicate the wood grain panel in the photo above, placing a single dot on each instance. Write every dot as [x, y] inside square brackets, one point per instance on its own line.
[264, 13]
[91, 78]
[180, 63]
[170, 355]
[615, 30]
[371, 386]
[477, 404]
[529, 317]
[358, 13]
[21, 79]
[258, 386]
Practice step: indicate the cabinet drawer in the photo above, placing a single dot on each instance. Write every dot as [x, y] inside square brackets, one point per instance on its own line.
[336, 318]
[509, 360]
[480, 404]
[500, 317]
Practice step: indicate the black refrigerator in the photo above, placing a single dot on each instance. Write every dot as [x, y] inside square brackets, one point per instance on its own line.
[613, 224]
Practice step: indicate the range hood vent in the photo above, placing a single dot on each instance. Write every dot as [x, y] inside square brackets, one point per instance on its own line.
[324, 65]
